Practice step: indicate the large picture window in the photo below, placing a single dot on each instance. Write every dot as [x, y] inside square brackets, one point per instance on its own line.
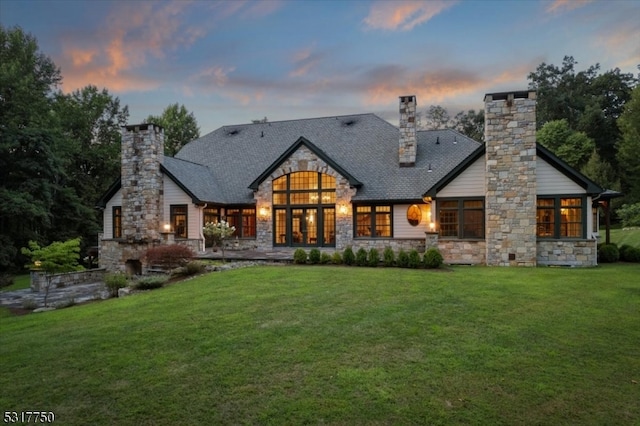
[560, 217]
[373, 221]
[462, 218]
[178, 217]
[117, 221]
[244, 219]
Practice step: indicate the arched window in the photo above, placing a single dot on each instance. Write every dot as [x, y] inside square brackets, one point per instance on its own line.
[414, 215]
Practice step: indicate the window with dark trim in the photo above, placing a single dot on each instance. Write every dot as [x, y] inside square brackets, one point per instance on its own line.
[117, 221]
[244, 219]
[304, 188]
[462, 218]
[210, 215]
[373, 221]
[560, 217]
[178, 217]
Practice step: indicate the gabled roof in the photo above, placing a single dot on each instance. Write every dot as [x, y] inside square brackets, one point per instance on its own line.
[364, 147]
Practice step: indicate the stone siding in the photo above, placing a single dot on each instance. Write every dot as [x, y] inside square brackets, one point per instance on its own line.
[396, 244]
[510, 139]
[39, 278]
[115, 253]
[461, 252]
[408, 136]
[567, 252]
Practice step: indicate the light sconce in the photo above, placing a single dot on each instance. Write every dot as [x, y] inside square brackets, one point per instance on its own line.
[263, 214]
[426, 199]
[167, 227]
[432, 227]
[37, 264]
[343, 209]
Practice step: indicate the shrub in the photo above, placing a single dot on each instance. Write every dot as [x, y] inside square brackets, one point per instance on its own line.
[325, 258]
[114, 282]
[29, 303]
[314, 256]
[629, 214]
[169, 256]
[336, 259]
[414, 259]
[300, 256]
[361, 257]
[5, 280]
[151, 282]
[629, 253]
[348, 257]
[608, 253]
[403, 259]
[374, 257]
[433, 259]
[388, 257]
[191, 268]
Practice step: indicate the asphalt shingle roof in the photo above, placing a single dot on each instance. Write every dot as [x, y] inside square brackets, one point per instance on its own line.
[220, 166]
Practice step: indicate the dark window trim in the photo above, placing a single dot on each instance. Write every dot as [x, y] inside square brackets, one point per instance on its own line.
[558, 215]
[239, 231]
[288, 191]
[172, 217]
[116, 218]
[373, 221]
[460, 210]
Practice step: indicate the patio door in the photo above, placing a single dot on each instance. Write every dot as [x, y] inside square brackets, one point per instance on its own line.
[304, 226]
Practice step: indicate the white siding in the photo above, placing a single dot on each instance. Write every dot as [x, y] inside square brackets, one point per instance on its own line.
[469, 183]
[107, 215]
[401, 226]
[174, 195]
[551, 181]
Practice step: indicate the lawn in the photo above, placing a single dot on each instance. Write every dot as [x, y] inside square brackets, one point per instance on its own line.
[337, 345]
[629, 236]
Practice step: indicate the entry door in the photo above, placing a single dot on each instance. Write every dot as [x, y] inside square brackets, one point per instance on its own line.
[304, 227]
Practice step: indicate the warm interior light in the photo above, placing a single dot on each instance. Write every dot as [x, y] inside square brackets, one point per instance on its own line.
[343, 209]
[167, 227]
[432, 226]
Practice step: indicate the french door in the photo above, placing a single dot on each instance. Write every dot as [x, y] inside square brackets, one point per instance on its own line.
[304, 226]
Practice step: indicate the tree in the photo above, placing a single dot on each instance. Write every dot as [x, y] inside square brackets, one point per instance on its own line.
[180, 127]
[629, 148]
[573, 147]
[470, 123]
[55, 258]
[601, 172]
[29, 162]
[219, 231]
[436, 117]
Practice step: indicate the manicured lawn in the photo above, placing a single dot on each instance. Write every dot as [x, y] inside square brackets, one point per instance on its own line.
[629, 236]
[302, 344]
[19, 282]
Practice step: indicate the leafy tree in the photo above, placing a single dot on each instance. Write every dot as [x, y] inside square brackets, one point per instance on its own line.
[180, 127]
[436, 117]
[629, 147]
[219, 231]
[601, 172]
[575, 148]
[470, 123]
[55, 258]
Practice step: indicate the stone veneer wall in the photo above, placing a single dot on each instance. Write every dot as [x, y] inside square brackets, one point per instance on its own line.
[567, 253]
[408, 136]
[461, 252]
[510, 210]
[396, 244]
[141, 177]
[304, 160]
[39, 278]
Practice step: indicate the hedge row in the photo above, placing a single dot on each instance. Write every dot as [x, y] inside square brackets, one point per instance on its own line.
[610, 253]
[411, 259]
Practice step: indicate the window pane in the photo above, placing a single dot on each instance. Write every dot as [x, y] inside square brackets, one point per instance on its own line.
[329, 231]
[179, 220]
[117, 222]
[249, 222]
[328, 182]
[363, 221]
[545, 222]
[328, 197]
[279, 198]
[473, 224]
[469, 204]
[449, 223]
[571, 217]
[383, 221]
[546, 202]
[281, 226]
[280, 184]
[303, 180]
[448, 204]
[303, 198]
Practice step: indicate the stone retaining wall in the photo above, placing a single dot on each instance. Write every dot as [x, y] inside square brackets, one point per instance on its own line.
[39, 278]
[396, 244]
[567, 253]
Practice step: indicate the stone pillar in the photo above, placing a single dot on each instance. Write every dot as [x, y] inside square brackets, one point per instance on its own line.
[142, 191]
[408, 135]
[510, 210]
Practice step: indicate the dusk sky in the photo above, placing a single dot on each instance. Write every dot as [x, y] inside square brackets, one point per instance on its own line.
[230, 62]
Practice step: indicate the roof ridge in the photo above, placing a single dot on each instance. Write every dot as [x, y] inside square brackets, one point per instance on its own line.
[301, 119]
[186, 161]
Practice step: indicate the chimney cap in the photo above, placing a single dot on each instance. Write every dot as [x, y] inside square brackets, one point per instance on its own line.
[407, 98]
[142, 126]
[503, 96]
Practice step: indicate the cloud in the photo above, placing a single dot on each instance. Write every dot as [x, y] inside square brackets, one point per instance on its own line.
[560, 6]
[304, 61]
[403, 15]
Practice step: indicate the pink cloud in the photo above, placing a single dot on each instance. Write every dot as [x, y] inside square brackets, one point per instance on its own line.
[403, 15]
[304, 61]
[559, 6]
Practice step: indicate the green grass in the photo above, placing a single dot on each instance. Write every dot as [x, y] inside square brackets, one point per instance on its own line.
[629, 236]
[339, 345]
[19, 282]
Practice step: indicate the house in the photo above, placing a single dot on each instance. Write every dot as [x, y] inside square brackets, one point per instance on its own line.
[358, 181]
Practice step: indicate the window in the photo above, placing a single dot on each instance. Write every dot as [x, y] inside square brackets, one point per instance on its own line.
[304, 188]
[560, 217]
[210, 215]
[414, 215]
[244, 219]
[178, 217]
[373, 221]
[461, 218]
[117, 222]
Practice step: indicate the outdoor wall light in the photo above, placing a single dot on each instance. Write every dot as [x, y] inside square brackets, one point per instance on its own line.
[343, 209]
[432, 227]
[263, 213]
[426, 199]
[167, 227]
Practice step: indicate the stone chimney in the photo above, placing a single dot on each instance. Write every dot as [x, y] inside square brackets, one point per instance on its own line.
[510, 210]
[142, 201]
[408, 138]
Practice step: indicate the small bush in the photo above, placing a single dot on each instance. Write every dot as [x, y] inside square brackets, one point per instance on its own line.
[608, 253]
[169, 256]
[29, 304]
[150, 283]
[388, 257]
[114, 282]
[629, 253]
[433, 259]
[414, 259]
[629, 214]
[374, 257]
[361, 257]
[314, 256]
[191, 268]
[348, 257]
[325, 258]
[5, 280]
[300, 256]
[336, 259]
[403, 259]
